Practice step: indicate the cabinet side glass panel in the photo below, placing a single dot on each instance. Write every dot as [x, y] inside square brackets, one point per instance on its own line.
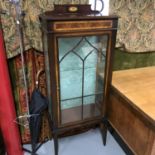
[81, 72]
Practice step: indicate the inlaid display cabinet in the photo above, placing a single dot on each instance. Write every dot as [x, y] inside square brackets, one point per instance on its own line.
[78, 45]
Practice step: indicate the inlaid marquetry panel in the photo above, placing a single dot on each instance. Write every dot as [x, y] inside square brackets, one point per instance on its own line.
[81, 25]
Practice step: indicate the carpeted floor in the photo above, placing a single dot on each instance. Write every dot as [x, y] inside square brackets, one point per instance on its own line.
[88, 143]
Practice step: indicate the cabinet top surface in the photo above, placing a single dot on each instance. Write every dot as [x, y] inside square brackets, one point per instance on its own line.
[56, 17]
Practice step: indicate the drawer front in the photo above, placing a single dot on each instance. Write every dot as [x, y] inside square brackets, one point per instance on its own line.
[81, 25]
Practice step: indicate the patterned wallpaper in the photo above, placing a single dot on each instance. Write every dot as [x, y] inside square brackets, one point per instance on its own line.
[136, 24]
[32, 33]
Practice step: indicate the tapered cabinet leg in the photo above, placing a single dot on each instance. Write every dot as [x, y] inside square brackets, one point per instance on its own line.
[56, 145]
[103, 128]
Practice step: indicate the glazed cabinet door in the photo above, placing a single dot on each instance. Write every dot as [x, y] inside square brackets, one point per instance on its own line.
[81, 63]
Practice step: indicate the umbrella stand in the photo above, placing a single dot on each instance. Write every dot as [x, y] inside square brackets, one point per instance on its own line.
[22, 120]
[38, 102]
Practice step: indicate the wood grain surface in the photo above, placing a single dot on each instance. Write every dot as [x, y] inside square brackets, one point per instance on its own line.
[138, 85]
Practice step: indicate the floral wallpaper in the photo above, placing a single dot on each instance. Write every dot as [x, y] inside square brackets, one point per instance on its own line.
[136, 24]
[31, 26]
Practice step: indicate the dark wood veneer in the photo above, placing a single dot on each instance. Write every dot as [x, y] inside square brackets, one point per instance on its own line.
[84, 22]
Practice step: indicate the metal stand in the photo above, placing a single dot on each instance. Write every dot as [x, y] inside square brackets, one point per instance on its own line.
[34, 150]
[24, 119]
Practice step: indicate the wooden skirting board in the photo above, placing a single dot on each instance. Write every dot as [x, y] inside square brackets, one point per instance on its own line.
[131, 110]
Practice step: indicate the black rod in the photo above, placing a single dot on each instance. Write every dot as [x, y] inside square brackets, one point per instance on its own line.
[81, 96]
[82, 87]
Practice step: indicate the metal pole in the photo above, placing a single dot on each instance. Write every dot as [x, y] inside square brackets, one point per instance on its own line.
[19, 18]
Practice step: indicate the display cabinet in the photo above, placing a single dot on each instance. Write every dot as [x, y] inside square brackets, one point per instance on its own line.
[78, 45]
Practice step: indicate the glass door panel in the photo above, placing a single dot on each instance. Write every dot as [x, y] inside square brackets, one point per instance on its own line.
[81, 66]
